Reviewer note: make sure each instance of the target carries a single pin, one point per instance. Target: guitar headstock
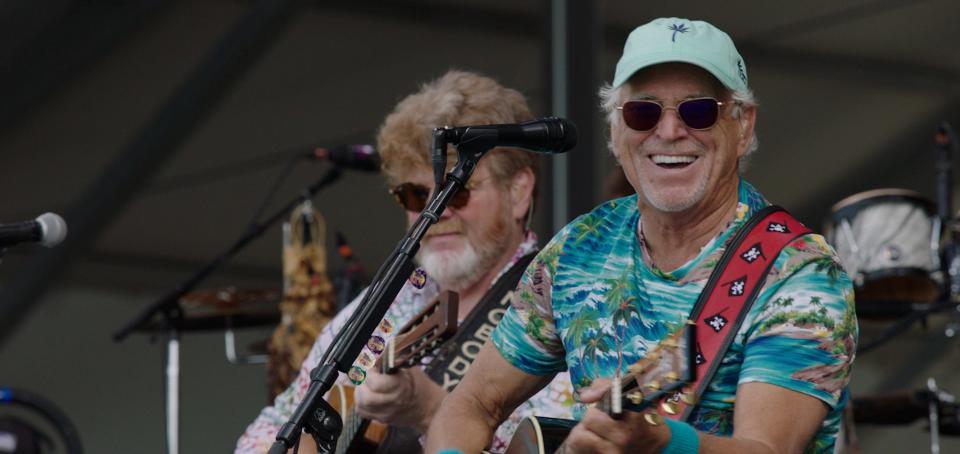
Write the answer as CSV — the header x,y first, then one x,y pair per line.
x,y
422,334
660,374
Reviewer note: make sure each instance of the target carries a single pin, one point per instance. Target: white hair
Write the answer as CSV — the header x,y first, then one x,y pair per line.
x,y
612,97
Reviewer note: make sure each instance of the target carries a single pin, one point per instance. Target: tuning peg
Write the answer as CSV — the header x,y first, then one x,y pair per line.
x,y
671,343
688,398
669,408
654,385
635,396
671,376
653,418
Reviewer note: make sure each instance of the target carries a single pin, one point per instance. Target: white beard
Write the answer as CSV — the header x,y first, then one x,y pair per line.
x,y
668,204
453,270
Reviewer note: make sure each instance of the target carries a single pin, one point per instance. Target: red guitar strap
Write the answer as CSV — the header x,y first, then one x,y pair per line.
x,y
732,288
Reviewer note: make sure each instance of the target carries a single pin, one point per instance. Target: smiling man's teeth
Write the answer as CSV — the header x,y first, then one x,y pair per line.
x,y
671,159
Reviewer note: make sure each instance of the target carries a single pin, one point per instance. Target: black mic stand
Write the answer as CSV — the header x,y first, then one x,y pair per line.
x,y
945,140
314,414
171,312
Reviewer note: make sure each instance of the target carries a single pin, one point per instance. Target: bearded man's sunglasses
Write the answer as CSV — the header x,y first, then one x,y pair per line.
x,y
413,197
697,113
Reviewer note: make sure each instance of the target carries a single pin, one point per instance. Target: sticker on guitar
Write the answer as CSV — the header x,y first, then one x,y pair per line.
x,y
657,378
416,340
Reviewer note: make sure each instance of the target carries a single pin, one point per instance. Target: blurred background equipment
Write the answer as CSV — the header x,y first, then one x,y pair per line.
x,y
308,297
351,276
904,266
938,407
889,243
32,424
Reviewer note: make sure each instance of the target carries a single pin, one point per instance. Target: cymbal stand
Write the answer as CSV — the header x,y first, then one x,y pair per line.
x,y
172,394
933,407
168,307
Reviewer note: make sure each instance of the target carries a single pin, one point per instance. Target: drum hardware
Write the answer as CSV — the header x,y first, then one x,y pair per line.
x,y
15,431
888,241
933,412
227,309
937,406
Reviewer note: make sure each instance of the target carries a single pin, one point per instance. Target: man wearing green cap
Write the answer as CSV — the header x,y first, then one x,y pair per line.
x,y
616,281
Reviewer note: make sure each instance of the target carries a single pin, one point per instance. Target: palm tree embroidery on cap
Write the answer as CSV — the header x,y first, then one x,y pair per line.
x,y
677,28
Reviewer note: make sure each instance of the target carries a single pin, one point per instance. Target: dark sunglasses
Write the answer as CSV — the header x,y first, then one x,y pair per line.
x,y
413,197
697,113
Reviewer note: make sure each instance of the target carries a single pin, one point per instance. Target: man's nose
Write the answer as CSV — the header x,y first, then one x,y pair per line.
x,y
671,127
448,212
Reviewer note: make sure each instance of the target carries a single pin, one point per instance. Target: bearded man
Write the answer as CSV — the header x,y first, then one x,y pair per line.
x,y
481,236
631,273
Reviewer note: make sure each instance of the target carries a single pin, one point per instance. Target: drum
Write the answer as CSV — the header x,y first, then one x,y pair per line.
x,y
888,241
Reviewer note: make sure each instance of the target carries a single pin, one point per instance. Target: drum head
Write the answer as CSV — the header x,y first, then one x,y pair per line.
x,y
888,242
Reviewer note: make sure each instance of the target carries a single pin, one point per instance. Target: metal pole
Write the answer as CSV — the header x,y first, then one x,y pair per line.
x,y
173,391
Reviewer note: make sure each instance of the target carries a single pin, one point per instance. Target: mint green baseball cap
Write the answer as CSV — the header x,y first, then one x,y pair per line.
x,y
672,39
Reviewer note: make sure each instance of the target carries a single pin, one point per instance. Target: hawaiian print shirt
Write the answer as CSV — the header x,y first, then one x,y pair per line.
x,y
555,400
590,301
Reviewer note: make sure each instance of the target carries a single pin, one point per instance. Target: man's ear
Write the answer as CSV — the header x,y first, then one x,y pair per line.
x,y
745,125
521,193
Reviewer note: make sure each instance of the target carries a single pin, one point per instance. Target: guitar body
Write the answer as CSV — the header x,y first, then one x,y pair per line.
x,y
358,436
539,435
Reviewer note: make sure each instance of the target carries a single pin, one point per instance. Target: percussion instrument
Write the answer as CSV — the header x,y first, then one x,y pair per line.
x,y
888,241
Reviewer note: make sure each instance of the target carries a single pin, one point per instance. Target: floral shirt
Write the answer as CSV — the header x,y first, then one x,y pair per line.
x,y
590,299
555,400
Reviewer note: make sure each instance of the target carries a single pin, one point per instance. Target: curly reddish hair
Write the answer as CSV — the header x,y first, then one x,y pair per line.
x,y
458,98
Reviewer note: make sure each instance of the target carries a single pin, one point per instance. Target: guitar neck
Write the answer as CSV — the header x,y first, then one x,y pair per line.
x,y
664,371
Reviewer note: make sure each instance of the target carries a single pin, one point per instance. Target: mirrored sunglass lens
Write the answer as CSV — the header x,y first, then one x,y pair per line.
x,y
641,115
699,113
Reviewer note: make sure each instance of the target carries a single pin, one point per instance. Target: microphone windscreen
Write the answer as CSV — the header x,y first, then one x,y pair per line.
x,y
569,134
53,229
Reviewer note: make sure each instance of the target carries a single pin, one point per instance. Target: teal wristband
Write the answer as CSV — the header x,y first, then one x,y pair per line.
x,y
683,439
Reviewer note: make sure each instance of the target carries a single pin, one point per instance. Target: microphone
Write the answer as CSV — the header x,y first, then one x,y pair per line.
x,y
49,229
356,157
544,135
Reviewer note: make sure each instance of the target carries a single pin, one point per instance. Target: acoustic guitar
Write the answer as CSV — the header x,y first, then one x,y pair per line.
x,y
416,340
657,377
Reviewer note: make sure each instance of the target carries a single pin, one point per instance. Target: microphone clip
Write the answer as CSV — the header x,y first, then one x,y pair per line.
x,y
438,152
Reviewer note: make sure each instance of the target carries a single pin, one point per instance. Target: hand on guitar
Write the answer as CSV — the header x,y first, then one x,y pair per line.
x,y
598,432
405,398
